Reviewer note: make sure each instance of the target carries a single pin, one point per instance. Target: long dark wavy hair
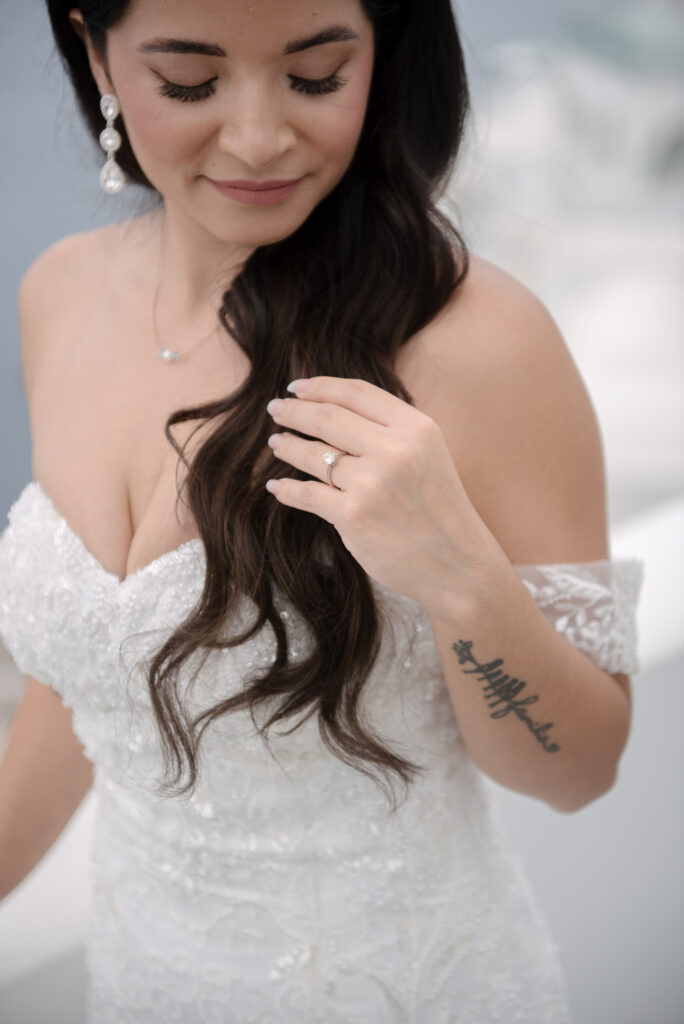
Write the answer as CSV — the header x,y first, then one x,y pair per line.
x,y
374,262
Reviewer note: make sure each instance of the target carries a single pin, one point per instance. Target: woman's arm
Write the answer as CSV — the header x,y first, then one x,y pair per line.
x,y
43,772
44,776
535,713
499,463
523,433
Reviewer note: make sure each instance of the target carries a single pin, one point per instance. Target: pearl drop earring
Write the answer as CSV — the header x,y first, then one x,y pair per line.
x,y
112,178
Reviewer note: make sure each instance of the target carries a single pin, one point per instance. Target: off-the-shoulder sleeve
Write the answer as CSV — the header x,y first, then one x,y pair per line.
x,y
594,605
19,630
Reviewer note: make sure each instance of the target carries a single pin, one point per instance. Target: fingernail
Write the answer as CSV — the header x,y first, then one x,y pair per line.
x,y
272,486
274,441
297,386
274,406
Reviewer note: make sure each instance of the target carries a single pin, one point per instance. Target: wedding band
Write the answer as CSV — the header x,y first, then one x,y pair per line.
x,y
331,459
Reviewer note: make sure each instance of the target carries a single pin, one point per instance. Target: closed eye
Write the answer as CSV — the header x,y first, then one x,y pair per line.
x,y
188,93
192,93
317,87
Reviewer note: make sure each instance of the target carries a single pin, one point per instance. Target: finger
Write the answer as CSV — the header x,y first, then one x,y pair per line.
x,y
335,426
307,456
359,396
307,495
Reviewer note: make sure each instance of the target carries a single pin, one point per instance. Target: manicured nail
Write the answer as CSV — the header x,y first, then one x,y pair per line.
x,y
272,486
274,441
274,406
297,386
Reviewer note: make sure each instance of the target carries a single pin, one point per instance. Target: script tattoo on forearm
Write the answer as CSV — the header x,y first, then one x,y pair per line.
x,y
502,692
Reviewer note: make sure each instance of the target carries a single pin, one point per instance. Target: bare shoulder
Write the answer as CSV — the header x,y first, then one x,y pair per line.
x,y
492,325
495,373
55,287
66,264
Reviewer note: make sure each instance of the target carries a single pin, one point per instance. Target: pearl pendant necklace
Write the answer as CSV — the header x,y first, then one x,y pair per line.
x,y
167,355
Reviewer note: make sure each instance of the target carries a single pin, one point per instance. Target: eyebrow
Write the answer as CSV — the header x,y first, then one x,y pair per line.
x,y
331,34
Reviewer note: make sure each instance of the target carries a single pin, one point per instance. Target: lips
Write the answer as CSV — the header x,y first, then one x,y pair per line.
x,y
256,186
256,193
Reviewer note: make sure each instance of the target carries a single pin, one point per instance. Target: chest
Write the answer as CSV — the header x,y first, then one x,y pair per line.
x,y
98,412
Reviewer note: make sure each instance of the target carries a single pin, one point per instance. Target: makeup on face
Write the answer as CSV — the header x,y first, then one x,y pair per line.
x,y
236,108
255,193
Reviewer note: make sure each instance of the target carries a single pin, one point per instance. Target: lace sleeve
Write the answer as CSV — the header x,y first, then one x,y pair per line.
x,y
594,605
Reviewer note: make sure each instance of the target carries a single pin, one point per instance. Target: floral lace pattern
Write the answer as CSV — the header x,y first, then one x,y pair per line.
x,y
593,605
282,891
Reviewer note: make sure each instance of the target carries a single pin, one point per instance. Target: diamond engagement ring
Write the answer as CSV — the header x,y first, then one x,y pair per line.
x,y
331,459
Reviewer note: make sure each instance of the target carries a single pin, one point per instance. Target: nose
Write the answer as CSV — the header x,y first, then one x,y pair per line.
x,y
255,128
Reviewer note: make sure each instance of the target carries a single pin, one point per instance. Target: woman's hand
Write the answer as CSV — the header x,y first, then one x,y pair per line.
x,y
401,508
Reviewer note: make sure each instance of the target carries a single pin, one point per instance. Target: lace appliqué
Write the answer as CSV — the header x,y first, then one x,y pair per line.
x,y
593,604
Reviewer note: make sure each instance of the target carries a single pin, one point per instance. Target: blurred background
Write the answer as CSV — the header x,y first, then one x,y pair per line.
x,y
572,179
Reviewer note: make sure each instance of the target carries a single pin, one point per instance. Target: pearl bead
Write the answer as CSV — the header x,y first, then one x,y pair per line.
x,y
110,140
112,178
168,355
109,106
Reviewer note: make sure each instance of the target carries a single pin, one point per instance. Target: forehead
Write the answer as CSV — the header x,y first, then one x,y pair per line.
x,y
238,23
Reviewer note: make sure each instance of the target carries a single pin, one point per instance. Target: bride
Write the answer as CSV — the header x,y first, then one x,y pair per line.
x,y
336,483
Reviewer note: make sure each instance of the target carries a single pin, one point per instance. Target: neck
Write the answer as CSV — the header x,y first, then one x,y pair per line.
x,y
195,269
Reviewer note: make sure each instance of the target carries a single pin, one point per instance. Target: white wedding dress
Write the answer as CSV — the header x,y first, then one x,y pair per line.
x,y
282,891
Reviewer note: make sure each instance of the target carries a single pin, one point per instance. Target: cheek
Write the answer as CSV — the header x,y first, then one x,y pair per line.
x,y
160,135
338,127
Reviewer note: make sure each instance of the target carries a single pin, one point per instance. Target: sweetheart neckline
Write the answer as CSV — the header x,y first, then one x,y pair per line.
x,y
197,542
187,544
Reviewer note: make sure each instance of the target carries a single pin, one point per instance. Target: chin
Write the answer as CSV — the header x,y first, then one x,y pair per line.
x,y
268,232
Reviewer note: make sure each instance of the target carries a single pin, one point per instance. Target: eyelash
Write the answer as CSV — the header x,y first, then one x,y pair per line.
x,y
320,87
193,93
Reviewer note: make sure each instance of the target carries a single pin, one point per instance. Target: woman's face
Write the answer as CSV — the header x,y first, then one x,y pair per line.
x,y
249,91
